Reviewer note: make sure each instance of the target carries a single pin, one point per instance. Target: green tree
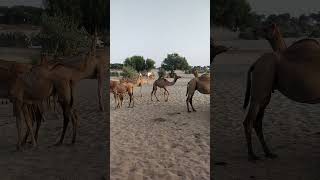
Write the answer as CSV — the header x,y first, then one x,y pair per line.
x,y
150,64
224,13
93,14
60,35
174,62
136,62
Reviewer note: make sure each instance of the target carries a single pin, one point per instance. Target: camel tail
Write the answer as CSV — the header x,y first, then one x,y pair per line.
x,y
247,96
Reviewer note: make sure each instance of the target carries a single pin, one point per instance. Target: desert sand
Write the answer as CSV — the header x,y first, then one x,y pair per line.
x,y
292,130
87,159
161,140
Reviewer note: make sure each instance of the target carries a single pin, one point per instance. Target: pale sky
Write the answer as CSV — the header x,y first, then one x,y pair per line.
x,y
155,28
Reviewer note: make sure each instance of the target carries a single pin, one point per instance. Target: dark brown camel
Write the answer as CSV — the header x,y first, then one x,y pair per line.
x,y
163,83
294,71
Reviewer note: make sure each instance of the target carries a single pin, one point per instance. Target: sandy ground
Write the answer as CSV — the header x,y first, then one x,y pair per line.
x,y
84,160
161,140
87,159
292,130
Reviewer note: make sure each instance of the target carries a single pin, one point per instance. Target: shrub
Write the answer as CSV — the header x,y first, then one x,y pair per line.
x,y
129,72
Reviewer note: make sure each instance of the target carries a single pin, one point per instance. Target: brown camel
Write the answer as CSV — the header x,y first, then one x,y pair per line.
x,y
138,82
96,68
163,83
35,110
202,84
40,84
293,71
120,90
113,84
273,35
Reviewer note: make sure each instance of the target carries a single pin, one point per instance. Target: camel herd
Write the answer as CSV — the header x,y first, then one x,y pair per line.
x,y
31,87
125,86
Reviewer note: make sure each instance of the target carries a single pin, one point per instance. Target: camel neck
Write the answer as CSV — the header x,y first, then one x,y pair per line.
x,y
278,44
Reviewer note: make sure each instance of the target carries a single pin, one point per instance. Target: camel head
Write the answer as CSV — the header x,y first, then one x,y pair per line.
x,y
269,31
177,77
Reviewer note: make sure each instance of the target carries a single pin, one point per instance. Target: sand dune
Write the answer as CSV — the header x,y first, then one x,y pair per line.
x,y
161,140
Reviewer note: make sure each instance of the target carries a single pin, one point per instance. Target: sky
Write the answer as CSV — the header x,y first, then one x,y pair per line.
x,y
153,29
294,7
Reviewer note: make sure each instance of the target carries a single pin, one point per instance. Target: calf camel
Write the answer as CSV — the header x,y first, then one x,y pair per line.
x,y
163,83
293,71
202,84
138,82
120,90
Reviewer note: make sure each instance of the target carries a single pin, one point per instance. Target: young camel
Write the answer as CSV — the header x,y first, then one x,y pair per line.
x,y
163,83
139,82
294,71
120,90
202,84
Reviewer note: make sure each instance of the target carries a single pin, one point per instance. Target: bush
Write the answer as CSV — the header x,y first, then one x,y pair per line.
x,y
116,74
14,39
61,35
161,73
129,72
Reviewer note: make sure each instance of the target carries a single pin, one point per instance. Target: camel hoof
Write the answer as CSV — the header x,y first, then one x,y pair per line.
x,y
194,110
271,156
189,111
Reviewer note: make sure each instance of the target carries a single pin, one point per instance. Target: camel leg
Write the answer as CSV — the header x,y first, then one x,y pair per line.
x,y
248,125
155,93
191,103
66,118
141,90
187,101
153,89
259,132
166,91
100,90
29,124
18,124
74,118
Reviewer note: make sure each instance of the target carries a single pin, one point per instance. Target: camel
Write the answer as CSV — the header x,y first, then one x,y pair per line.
x,y
35,112
41,83
96,69
273,35
119,92
139,82
293,71
113,84
202,84
163,83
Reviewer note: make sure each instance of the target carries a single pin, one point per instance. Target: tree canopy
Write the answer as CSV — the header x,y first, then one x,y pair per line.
x,y
174,62
139,63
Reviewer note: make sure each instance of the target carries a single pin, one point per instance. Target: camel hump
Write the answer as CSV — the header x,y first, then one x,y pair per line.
x,y
204,77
